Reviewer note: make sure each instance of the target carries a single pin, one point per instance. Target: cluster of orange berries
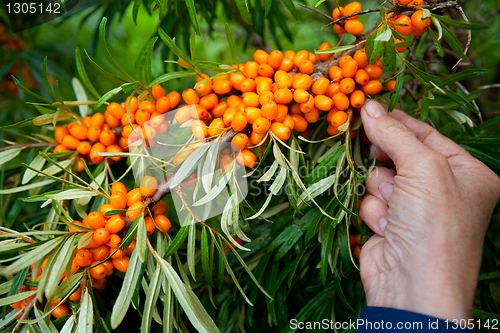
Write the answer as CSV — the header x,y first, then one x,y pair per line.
x,y
350,25
105,242
415,25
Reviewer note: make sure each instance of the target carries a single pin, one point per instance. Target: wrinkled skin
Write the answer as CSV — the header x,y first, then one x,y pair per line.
x,y
430,217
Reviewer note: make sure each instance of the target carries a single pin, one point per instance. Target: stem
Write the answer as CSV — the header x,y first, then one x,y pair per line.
x,y
26,312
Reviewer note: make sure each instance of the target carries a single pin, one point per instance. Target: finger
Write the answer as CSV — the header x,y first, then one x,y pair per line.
x,y
373,212
390,135
380,182
428,135
376,152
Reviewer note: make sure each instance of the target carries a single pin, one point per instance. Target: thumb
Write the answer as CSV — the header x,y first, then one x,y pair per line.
x,y
390,135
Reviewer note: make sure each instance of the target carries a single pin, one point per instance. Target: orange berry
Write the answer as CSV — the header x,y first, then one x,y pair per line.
x,y
239,142
96,220
118,187
228,116
261,125
250,99
101,252
174,98
219,109
199,129
347,85
300,96
335,73
289,122
216,127
83,257
260,56
333,88
274,59
133,196
104,209
149,224
357,99
352,8
159,209
93,133
300,56
111,120
183,114
313,58
339,118
265,70
118,200
116,223
391,85
190,96
283,96
163,104
372,87
134,211
361,58
304,81
289,54
109,267
354,27
252,114
235,80
416,32
148,186
60,133
116,110
323,102
107,137
286,64
246,158
130,248
325,46
319,87
204,88
240,121
76,296
341,101
197,111
97,148
116,253
406,26
300,123
350,68
305,107
84,147
130,104
337,13
99,285
306,67
282,79
256,138
332,130
114,240
142,117
158,91
399,41
61,310
114,149
281,131
339,30
374,72
312,116
98,272
79,131
418,21
345,58
251,69
361,77
248,85
121,264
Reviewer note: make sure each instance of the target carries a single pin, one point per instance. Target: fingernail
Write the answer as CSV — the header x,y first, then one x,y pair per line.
x,y
386,189
374,109
382,223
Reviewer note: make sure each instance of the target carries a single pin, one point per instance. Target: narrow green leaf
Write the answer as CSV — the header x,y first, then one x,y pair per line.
x,y
29,92
232,45
142,71
437,43
336,49
83,74
135,10
86,317
193,16
46,78
455,97
9,154
62,261
17,297
170,76
390,56
22,123
267,6
453,42
173,47
107,54
107,96
424,107
205,257
461,25
103,71
397,92
27,187
177,241
421,76
18,281
243,8
151,297
290,5
463,75
142,236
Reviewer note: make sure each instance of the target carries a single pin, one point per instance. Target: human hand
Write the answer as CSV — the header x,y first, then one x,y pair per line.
x,y
430,218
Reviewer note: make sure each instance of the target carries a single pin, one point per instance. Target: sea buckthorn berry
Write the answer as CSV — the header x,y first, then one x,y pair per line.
x,y
354,27
76,296
339,118
374,72
131,104
265,70
60,133
253,113
216,127
335,73
97,148
233,101
372,87
96,220
361,58
347,85
289,54
174,98
312,116
330,114
263,86
60,149
418,21
320,86
256,138
149,224
398,41
295,108
352,8
235,79
225,162
118,200
251,69
418,32
114,240
121,264
109,267
79,131
266,97
159,209
156,119
261,125
323,102
111,120
333,88
406,26
239,142
274,59
84,147
204,88
339,30
357,99
163,223
183,114
116,223
116,110
240,121
246,158
199,129
306,67
304,81
281,131
288,122
313,58
142,116
107,137
337,13
147,106
128,130
114,148
300,56
282,79
341,101
101,252
209,101
248,85
250,99
83,257
197,111
61,310
228,116
129,249
125,121
93,133
305,107
118,187
350,68
362,77
322,47
332,130
260,56
299,123
133,211
158,91
190,96
404,2
104,209
133,196
283,96
300,96
98,272
345,58
286,65
148,186
219,109
391,85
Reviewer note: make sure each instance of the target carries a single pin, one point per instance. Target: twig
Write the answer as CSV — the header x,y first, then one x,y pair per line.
x,y
26,313
28,145
489,86
469,37
24,238
317,11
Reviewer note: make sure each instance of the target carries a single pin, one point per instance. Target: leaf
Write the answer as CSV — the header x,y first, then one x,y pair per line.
x,y
390,56
17,297
29,92
243,8
455,97
177,241
81,96
193,16
86,317
18,281
151,297
384,36
127,291
27,187
173,47
397,92
140,248
83,74
336,49
321,170
9,154
57,270
73,194
191,305
453,42
191,250
45,119
205,257
463,75
103,71
189,165
424,107
107,96
143,62
267,6
135,10
45,77
289,4
439,48
461,25
232,45
107,54
170,76
22,123
421,76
